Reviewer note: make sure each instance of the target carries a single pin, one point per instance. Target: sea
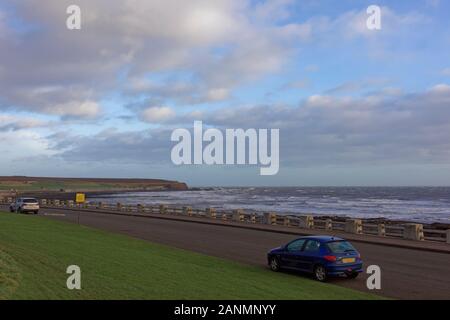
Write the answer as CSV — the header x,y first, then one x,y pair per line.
x,y
416,204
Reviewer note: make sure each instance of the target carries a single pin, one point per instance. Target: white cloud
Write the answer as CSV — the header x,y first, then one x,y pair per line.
x,y
16,122
218,94
213,40
274,9
157,114
441,88
221,45
21,145
79,109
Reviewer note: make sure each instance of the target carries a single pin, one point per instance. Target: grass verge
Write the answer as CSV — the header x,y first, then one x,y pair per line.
x,y
35,252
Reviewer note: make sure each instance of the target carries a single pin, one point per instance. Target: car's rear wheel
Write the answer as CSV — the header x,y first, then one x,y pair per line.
x,y
11,209
19,210
352,275
320,273
274,264
36,212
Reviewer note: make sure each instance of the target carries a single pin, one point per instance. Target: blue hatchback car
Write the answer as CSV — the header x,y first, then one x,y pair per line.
x,y
323,256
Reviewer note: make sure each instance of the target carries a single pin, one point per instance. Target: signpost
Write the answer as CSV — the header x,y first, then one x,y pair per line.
x,y
80,198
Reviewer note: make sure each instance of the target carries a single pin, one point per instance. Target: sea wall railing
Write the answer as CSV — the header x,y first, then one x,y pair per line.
x,y
410,231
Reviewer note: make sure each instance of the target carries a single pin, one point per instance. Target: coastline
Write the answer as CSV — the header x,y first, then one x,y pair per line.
x,y
70,195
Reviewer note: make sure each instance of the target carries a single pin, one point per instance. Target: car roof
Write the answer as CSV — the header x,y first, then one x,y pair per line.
x,y
323,238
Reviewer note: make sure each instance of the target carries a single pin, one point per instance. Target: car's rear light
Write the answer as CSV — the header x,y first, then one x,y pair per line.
x,y
330,258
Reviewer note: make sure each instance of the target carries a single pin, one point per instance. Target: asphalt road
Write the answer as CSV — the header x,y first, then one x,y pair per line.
x,y
405,273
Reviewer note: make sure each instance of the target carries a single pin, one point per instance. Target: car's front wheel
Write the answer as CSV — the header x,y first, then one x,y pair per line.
x,y
11,209
274,264
352,275
320,273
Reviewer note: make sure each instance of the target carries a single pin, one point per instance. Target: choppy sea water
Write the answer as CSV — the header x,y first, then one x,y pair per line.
x,y
421,204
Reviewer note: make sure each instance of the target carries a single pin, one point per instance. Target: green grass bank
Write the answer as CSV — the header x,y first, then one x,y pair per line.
x,y
35,252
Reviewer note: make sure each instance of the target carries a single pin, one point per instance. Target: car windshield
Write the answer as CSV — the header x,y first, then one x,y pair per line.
x,y
29,201
340,246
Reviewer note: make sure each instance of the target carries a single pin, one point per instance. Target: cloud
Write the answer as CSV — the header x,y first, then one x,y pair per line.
x,y
157,114
441,88
407,128
350,28
49,69
299,84
206,49
147,59
16,123
357,86
181,92
148,147
75,109
353,23
22,144
218,94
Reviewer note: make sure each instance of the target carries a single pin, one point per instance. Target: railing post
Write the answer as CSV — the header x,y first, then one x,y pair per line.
x,y
270,218
306,222
266,218
211,213
287,221
381,229
413,231
238,215
162,209
119,206
140,208
187,211
353,226
448,236
328,224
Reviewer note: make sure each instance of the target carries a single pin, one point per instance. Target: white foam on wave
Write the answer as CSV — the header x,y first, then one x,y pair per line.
x,y
388,203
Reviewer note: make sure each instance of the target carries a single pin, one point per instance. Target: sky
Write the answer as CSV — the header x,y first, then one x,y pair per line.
x,y
353,106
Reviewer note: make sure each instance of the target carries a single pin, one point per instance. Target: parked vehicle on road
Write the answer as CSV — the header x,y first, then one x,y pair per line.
x,y
323,256
25,205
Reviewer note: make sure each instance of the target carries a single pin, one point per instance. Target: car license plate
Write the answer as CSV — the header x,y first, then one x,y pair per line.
x,y
348,260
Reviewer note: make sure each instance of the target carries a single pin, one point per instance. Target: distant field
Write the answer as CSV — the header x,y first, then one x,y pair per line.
x,y
55,186
73,184
34,254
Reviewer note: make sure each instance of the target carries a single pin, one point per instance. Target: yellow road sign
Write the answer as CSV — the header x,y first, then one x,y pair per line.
x,y
80,198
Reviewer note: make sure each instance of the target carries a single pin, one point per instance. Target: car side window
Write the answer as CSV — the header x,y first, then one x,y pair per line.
x,y
296,245
312,246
